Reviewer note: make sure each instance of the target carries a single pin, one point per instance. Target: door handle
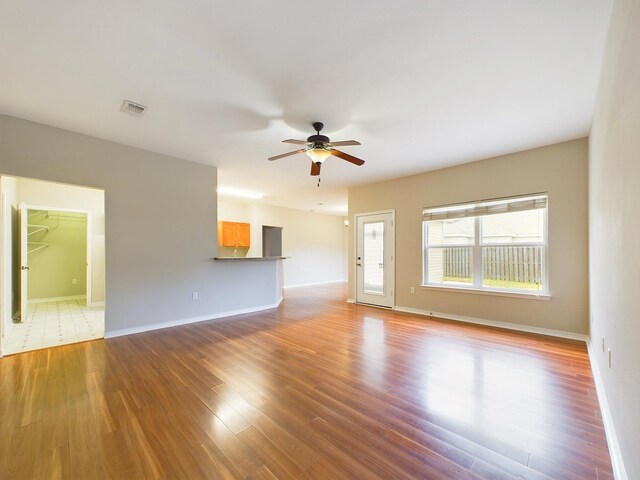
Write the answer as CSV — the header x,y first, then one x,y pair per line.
x,y
24,268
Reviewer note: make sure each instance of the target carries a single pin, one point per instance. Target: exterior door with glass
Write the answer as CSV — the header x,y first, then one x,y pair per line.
x,y
375,264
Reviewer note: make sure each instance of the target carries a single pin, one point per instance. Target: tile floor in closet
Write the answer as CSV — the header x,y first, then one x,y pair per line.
x,y
56,323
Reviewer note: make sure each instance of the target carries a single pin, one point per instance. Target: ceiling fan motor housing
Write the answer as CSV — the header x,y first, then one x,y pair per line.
x,y
318,140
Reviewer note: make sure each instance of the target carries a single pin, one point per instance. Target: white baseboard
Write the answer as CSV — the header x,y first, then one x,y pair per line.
x,y
493,323
56,299
314,283
185,321
350,300
97,304
617,463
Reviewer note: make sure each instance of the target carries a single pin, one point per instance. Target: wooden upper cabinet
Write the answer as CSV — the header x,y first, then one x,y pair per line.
x,y
244,234
227,234
234,234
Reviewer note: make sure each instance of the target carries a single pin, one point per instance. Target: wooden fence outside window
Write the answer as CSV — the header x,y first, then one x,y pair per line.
x,y
509,263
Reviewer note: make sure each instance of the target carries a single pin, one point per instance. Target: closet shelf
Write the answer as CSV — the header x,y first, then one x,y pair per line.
x,y
37,229
36,246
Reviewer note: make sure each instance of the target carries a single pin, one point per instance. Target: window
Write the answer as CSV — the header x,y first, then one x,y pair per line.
x,y
489,245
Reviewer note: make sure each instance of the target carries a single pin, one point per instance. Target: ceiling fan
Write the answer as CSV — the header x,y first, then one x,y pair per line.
x,y
319,148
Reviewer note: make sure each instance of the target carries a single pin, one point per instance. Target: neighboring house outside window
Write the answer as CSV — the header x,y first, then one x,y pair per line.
x,y
498,245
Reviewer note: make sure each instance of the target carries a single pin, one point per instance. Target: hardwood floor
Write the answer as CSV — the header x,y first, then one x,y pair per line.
x,y
316,389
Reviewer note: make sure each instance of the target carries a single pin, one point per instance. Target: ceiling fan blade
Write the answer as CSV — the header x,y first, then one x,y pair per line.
x,y
315,169
302,150
347,157
295,142
344,143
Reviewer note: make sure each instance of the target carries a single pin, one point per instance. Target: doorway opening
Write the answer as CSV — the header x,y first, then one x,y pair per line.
x,y
52,264
271,241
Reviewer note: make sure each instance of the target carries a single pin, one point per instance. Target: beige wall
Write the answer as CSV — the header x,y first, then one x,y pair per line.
x,y
313,241
160,226
560,170
70,197
614,228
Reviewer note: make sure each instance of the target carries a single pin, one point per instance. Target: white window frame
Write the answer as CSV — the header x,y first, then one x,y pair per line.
x,y
477,269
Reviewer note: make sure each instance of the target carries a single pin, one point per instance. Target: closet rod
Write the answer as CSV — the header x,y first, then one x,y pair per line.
x,y
36,212
57,214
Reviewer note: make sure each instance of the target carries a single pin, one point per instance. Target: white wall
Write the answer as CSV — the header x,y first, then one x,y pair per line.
x,y
160,226
614,234
57,195
560,170
313,241
8,254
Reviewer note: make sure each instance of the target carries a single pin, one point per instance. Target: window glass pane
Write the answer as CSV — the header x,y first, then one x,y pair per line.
x,y
451,265
459,231
511,244
515,227
512,267
373,261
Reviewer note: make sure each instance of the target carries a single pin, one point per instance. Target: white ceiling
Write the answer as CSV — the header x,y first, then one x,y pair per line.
x,y
421,84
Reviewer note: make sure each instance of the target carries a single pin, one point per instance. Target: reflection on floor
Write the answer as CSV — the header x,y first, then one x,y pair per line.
x,y
56,323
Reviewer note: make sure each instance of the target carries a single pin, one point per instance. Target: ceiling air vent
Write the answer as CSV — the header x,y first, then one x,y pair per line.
x,y
133,108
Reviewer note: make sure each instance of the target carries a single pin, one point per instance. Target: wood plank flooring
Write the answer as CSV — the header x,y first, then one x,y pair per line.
x,y
316,389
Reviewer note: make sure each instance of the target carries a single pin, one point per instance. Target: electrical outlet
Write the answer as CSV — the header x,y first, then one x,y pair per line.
x,y
194,296
412,290
609,350
74,281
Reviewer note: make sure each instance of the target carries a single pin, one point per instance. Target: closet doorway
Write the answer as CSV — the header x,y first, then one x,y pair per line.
x,y
57,243
52,264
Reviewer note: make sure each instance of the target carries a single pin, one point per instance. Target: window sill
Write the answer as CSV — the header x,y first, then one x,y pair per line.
x,y
496,293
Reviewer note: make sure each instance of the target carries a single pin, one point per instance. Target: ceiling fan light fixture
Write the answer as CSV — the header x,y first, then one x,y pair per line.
x,y
318,154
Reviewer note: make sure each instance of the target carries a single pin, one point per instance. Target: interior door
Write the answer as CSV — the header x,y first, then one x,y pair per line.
x,y
3,275
89,259
24,259
375,268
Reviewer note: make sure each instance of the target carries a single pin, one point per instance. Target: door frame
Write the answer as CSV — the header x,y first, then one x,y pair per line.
x,y
392,272
4,278
89,238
